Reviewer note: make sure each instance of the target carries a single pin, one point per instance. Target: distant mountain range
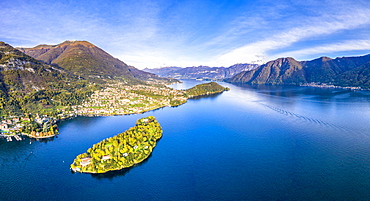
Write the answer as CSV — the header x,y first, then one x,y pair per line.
x,y
344,71
202,72
86,60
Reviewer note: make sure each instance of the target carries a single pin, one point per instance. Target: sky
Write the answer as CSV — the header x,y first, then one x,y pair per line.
x,y
152,34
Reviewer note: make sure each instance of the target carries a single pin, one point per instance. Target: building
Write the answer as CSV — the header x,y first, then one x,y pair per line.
x,y
106,157
85,161
4,126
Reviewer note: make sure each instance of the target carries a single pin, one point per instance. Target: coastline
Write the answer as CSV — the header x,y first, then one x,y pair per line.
x,y
42,137
115,169
89,110
323,85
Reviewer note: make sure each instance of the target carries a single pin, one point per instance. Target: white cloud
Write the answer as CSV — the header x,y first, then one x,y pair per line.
x,y
351,45
154,59
324,25
140,34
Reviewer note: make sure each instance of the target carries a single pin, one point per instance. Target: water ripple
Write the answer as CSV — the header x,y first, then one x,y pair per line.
x,y
313,120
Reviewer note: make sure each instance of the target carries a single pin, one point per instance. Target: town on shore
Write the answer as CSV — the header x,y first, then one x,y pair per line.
x,y
117,98
325,85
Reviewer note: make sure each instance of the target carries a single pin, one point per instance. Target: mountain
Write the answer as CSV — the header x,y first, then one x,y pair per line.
x,y
202,72
29,85
327,70
359,76
280,71
343,71
88,61
164,71
19,71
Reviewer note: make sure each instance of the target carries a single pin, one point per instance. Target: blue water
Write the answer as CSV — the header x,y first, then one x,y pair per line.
x,y
249,143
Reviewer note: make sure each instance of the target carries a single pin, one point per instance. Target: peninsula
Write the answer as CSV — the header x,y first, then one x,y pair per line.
x,y
121,151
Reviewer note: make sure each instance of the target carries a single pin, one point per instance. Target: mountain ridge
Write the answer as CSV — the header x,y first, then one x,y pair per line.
x,y
201,72
27,84
85,59
288,71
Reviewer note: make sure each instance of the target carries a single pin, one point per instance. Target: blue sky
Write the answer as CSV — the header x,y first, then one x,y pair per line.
x,y
146,33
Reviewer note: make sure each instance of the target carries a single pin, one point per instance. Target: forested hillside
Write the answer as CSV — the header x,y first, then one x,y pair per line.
x,y
344,71
31,86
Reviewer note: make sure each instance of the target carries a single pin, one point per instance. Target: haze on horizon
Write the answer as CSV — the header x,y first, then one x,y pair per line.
x,y
146,33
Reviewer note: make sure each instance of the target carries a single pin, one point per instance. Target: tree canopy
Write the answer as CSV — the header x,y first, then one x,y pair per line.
x,y
120,151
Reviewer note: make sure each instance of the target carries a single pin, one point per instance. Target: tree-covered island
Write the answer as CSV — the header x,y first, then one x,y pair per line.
x,y
205,89
120,151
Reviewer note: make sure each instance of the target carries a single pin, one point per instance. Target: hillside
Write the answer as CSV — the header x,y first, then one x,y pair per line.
x,y
22,72
88,61
280,71
28,85
326,70
41,94
359,76
202,72
344,71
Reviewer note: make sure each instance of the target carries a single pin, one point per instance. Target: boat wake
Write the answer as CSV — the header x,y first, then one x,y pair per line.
x,y
313,120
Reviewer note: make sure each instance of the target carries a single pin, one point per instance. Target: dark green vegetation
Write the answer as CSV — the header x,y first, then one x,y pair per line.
x,y
121,151
77,78
344,71
359,76
205,89
53,85
62,76
31,86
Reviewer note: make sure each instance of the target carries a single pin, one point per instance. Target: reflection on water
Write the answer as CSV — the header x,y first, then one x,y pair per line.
x,y
81,121
319,94
43,140
17,153
211,96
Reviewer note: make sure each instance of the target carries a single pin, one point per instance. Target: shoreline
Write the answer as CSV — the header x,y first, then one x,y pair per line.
x,y
43,137
86,111
139,143
330,86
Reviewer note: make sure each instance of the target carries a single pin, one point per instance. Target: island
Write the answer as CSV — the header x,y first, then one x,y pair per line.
x,y
120,151
205,89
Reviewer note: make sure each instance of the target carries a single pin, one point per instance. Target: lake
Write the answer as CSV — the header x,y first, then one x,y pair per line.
x,y
249,143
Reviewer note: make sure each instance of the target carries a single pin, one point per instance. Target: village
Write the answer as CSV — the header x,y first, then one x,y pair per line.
x,y
324,85
37,127
116,99
119,99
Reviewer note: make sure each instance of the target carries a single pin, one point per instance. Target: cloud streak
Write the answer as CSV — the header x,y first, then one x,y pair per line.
x,y
351,45
325,25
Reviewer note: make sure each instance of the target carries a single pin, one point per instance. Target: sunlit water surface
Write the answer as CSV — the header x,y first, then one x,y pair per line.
x,y
249,143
